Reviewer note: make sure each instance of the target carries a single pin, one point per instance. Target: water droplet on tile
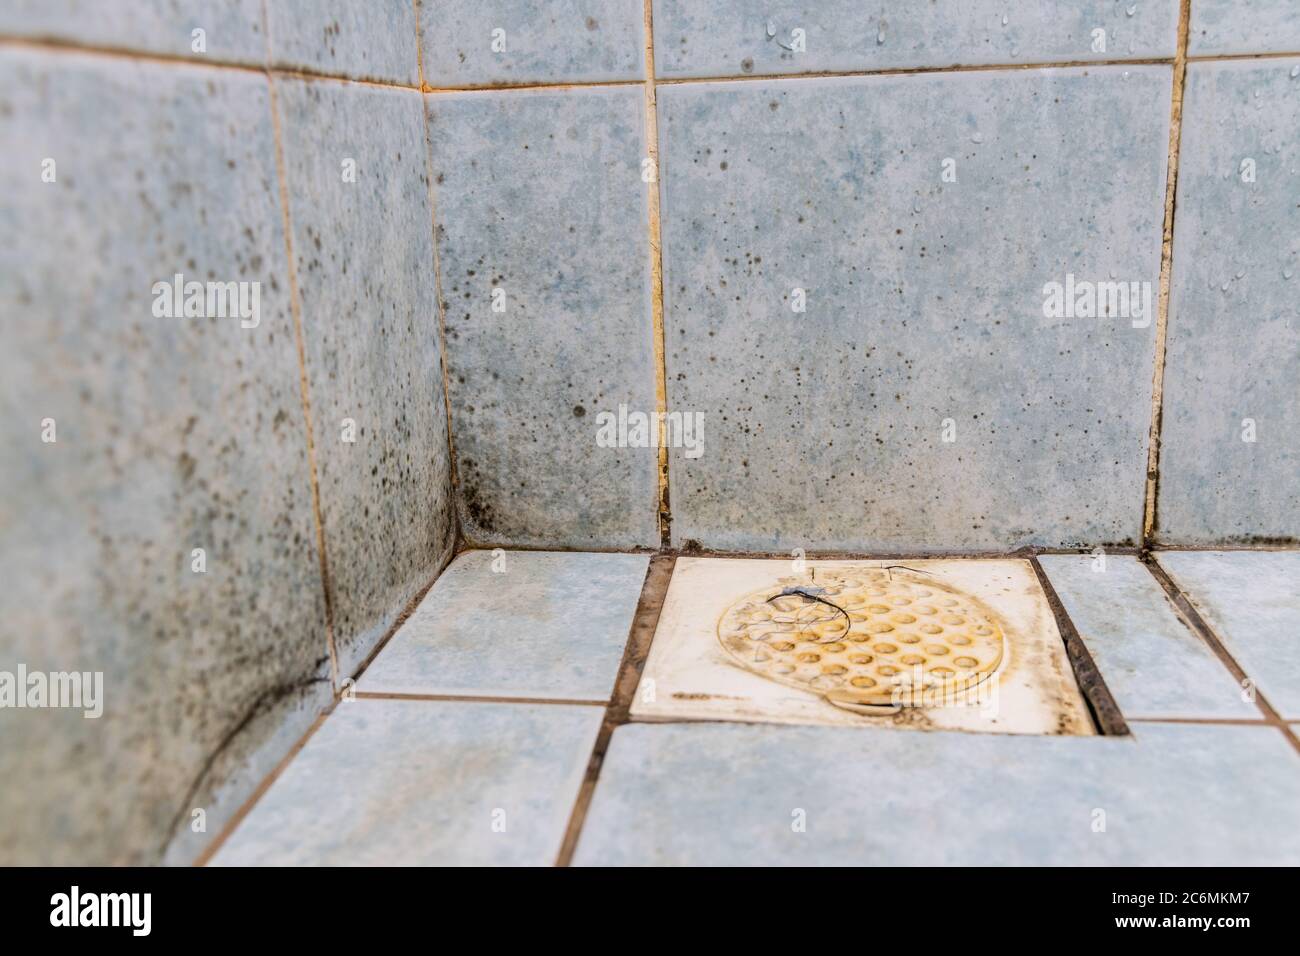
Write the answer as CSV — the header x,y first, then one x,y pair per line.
x,y
1132,10
1005,19
880,35
1295,71
771,29
977,137
1287,273
1240,273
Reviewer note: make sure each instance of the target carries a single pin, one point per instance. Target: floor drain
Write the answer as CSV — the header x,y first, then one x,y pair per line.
x,y
870,641
942,644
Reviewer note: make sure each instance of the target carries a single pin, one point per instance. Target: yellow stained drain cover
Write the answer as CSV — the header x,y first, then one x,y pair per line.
x,y
953,644
868,640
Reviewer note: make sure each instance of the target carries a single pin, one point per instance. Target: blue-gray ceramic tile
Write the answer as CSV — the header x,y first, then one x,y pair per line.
x,y
1252,601
1230,26
517,624
733,37
1229,447
736,794
172,434
232,29
406,783
356,165
1152,663
496,42
539,195
375,40
925,308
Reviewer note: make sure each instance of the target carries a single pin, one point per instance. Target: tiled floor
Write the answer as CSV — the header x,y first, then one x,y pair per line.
x,y
732,794
424,782
1154,665
520,624
1252,600
1207,776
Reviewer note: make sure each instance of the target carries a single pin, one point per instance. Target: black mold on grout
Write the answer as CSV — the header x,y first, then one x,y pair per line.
x,y
1102,707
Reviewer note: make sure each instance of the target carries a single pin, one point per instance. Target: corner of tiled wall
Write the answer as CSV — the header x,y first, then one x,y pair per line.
x,y
166,505
503,181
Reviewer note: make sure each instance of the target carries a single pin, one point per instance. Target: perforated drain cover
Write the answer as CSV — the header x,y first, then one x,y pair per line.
x,y
865,639
916,643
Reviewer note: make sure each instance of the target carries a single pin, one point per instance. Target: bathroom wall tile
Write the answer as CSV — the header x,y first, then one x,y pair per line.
x,y
925,314
172,434
732,794
540,196
375,40
364,252
733,37
424,783
1230,450
560,41
1230,26
556,622
1252,601
1152,663
233,29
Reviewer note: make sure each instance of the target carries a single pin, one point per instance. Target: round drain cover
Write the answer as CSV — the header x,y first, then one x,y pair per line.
x,y
869,639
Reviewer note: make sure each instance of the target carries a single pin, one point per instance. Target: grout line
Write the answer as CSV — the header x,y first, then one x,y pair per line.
x,y
479,699
544,86
295,308
246,807
1208,721
64,45
1201,628
1229,57
917,70
1152,487
662,508
57,46
642,632
439,306
1019,554
1101,703
419,48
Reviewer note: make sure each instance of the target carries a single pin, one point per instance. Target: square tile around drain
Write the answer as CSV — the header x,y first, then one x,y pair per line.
x,y
945,644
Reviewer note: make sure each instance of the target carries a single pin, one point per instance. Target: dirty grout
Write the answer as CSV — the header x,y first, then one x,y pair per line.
x,y
1152,487
657,279
644,623
58,45
479,699
1192,618
295,308
1101,704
